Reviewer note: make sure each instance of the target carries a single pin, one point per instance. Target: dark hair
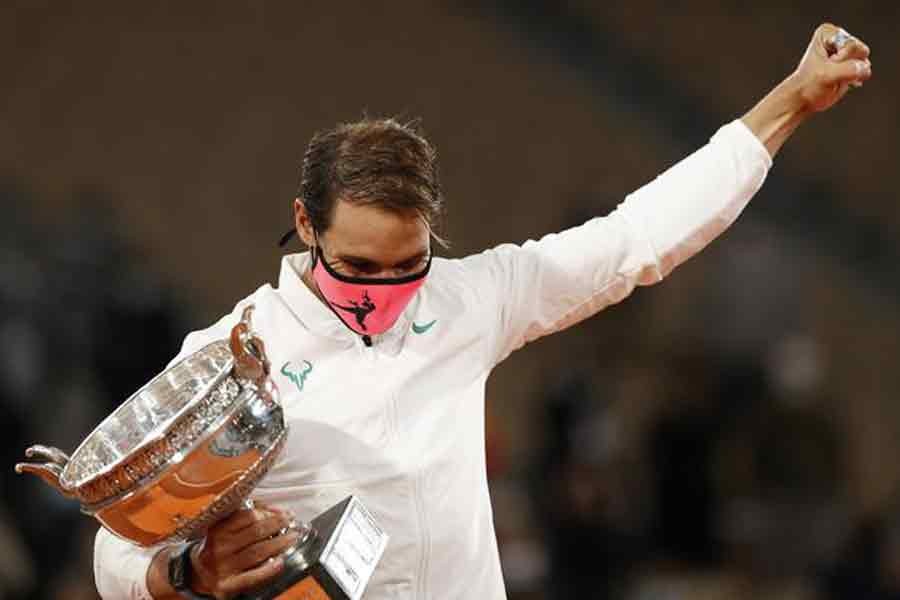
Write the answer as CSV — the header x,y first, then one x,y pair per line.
x,y
372,161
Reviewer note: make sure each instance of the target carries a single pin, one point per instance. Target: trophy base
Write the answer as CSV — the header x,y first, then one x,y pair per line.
x,y
335,562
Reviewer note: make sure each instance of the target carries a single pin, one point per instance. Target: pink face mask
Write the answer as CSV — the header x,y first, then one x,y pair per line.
x,y
367,305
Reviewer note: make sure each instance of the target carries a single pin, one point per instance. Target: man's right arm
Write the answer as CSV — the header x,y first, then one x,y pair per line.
x,y
120,568
239,553
125,571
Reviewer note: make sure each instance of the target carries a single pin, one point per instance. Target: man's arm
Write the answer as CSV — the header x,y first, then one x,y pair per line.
x,y
238,554
120,568
525,292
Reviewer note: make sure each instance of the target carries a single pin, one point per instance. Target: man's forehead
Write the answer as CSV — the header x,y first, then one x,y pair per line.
x,y
374,232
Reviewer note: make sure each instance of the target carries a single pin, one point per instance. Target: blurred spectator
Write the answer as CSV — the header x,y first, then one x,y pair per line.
x,y
869,565
586,494
683,452
84,323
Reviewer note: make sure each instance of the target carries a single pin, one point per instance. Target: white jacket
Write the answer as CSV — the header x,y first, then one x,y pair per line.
x,y
401,423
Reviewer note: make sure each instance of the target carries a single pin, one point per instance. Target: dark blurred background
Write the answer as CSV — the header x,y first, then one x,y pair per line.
x,y
730,433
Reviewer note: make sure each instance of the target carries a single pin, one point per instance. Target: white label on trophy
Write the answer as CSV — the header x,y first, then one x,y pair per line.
x,y
355,549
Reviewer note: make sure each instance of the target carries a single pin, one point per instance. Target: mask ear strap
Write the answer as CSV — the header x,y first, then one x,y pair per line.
x,y
314,249
282,242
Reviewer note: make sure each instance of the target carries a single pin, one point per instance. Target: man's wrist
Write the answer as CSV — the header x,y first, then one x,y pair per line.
x,y
778,115
158,576
171,577
200,574
791,96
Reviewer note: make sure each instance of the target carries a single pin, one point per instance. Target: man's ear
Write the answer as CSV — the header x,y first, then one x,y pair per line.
x,y
303,224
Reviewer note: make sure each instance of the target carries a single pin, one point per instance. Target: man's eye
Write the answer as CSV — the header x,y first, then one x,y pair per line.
x,y
410,264
363,267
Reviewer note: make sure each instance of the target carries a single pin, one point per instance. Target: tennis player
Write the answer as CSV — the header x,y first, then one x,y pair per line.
x,y
381,351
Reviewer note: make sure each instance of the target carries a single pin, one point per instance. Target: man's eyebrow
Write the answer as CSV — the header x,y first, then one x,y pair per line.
x,y
352,258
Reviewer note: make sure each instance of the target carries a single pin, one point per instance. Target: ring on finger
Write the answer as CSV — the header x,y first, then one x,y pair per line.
x,y
840,38
291,526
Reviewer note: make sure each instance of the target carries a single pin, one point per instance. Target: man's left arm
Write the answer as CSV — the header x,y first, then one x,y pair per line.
x,y
544,286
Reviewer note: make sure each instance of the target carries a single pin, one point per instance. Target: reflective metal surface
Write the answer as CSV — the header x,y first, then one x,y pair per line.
x,y
148,414
183,451
205,485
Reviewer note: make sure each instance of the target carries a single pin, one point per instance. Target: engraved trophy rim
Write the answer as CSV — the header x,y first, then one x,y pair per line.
x,y
243,396
159,432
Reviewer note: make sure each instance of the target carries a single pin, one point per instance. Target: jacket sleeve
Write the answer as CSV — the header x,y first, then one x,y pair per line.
x,y
545,286
120,568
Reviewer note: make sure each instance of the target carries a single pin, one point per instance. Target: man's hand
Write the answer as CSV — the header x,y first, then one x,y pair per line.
x,y
242,551
239,553
826,72
822,78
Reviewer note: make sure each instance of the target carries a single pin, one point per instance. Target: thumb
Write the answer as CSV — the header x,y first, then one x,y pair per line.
x,y
849,71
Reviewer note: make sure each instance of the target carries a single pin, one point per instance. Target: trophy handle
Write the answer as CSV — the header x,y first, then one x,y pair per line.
x,y
249,351
49,465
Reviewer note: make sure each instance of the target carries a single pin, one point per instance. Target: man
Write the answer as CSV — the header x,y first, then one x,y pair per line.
x,y
381,352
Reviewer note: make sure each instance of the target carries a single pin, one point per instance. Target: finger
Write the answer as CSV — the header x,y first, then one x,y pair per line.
x,y
276,509
272,509
834,41
825,34
253,555
851,71
853,49
247,580
253,533
240,519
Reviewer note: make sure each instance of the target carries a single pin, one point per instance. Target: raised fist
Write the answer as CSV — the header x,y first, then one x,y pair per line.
x,y
834,62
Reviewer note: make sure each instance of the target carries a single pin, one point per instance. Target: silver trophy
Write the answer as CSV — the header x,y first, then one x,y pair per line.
x,y
188,448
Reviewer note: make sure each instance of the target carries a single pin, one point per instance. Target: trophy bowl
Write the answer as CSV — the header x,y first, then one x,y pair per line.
x,y
182,452
187,449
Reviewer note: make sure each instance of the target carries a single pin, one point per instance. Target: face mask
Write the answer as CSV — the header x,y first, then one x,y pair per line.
x,y
367,305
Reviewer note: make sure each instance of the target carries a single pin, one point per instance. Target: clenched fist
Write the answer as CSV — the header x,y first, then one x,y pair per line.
x,y
833,63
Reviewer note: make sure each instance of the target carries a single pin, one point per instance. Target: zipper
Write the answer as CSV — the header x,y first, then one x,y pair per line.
x,y
425,536
393,421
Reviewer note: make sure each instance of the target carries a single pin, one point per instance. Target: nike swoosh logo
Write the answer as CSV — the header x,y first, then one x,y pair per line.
x,y
420,329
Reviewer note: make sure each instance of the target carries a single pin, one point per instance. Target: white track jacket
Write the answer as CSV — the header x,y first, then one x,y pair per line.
x,y
401,424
